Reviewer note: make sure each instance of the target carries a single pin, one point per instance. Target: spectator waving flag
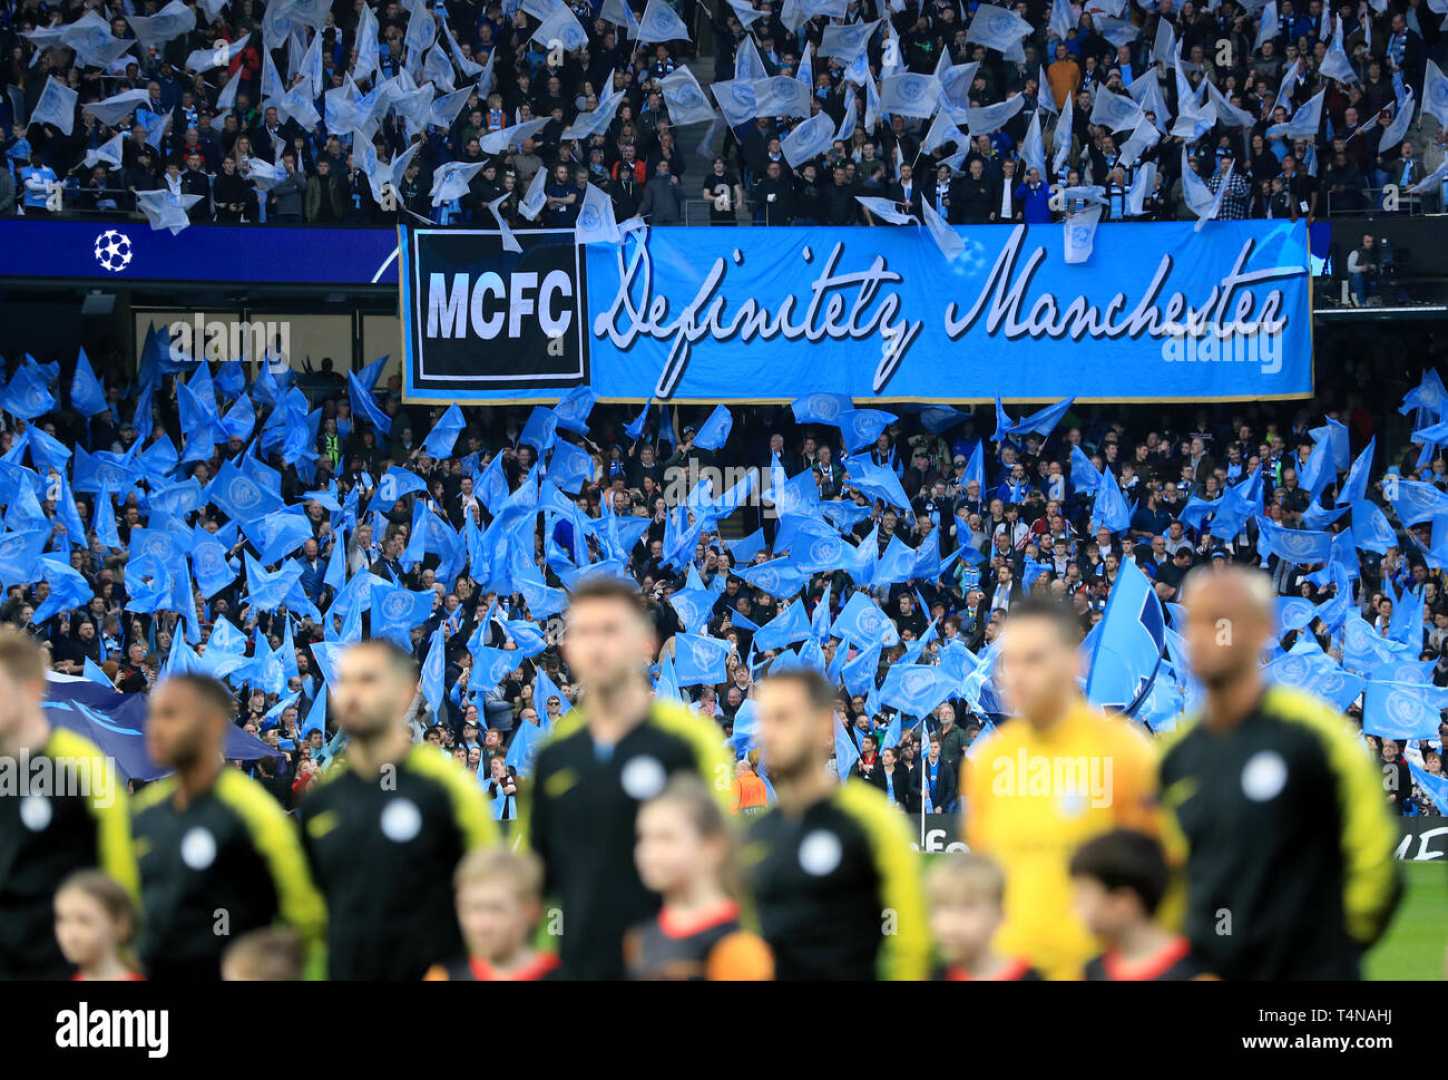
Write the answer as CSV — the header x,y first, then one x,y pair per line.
x,y
809,140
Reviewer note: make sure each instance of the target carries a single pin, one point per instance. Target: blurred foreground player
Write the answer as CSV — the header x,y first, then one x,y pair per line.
x,y
80,822
1120,880
1286,834
617,749
835,882
386,827
1055,775
218,855
965,892
499,905
685,853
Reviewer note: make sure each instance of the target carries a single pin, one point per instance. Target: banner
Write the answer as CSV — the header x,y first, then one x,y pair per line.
x,y
1158,312
116,723
123,253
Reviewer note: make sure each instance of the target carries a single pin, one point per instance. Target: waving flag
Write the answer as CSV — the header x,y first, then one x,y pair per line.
x,y
661,23
789,626
909,94
699,659
714,431
1403,710
1128,644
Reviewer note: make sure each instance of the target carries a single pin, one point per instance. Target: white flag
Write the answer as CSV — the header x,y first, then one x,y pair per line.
x,y
1306,120
505,234
1062,136
1336,65
1437,177
992,118
997,28
851,117
367,45
685,98
779,96
297,104
221,57
563,28
1435,94
620,14
746,14
909,94
511,138
942,130
421,31
171,21
885,210
56,106
266,175
1267,28
166,211
536,197
451,180
660,22
1142,139
945,237
114,109
1079,233
1141,187
596,223
1227,113
227,98
955,83
844,43
438,69
748,64
1115,111
1163,47
1033,148
1397,131
1117,31
1063,20
109,152
808,140
1045,96
469,68
1195,193
736,100
443,111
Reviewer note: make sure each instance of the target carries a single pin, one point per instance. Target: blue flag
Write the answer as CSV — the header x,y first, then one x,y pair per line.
x,y
1128,644
395,611
1041,422
444,435
87,395
1403,710
714,431
365,405
699,659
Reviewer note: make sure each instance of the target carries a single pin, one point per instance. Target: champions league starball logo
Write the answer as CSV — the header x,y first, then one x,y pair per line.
x,y
113,251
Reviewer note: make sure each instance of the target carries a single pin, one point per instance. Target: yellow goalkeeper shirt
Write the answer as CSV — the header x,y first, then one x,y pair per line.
x,y
1032,798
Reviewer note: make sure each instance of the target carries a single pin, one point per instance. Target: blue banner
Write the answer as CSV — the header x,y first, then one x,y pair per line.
x,y
1160,312
125,253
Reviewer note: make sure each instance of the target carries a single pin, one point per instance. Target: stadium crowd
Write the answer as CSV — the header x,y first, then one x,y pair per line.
x,y
288,521
1287,110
